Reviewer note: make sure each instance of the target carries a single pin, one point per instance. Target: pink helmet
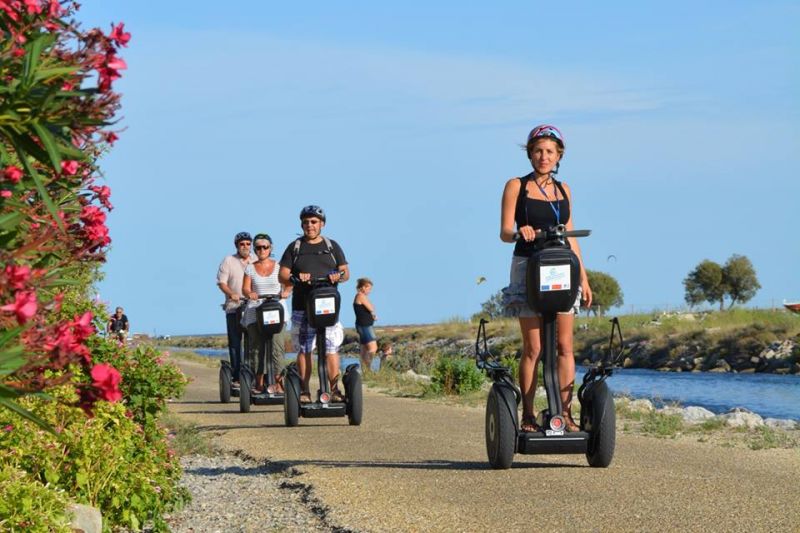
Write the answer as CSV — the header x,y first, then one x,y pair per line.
x,y
546,130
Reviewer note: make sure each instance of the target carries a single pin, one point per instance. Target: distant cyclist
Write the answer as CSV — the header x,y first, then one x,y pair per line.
x,y
229,280
118,325
309,257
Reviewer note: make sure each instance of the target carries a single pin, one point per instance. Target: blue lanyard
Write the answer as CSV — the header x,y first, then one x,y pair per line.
x,y
557,207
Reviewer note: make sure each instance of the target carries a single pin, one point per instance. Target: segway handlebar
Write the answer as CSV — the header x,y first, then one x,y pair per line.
x,y
268,297
557,232
323,279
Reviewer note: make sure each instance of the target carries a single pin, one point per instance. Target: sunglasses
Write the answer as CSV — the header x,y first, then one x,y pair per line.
x,y
258,248
244,243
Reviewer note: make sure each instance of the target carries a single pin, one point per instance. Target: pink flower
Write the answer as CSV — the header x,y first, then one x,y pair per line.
x,y
12,173
17,275
119,35
18,52
111,137
115,63
69,167
106,379
9,427
103,193
54,8
24,306
83,326
5,194
33,7
58,299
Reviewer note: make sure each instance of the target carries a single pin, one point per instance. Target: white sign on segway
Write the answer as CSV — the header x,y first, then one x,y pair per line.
x,y
325,306
554,278
272,317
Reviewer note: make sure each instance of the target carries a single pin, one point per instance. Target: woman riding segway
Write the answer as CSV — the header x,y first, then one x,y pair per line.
x,y
265,354
530,204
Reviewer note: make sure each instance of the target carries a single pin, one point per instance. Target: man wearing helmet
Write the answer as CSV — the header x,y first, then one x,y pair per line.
x,y
533,203
229,280
309,257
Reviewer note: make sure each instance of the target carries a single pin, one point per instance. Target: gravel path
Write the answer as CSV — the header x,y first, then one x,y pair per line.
x,y
233,494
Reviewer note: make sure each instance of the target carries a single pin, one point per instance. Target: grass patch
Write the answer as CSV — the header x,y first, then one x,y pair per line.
x,y
765,437
185,437
211,362
661,424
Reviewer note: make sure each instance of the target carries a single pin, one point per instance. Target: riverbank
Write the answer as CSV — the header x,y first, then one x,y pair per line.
x,y
736,341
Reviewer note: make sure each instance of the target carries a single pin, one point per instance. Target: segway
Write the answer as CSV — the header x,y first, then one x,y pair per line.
x,y
553,278
269,316
322,309
226,388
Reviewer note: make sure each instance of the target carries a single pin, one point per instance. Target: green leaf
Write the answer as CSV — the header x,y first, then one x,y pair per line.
x,y
49,143
10,334
48,202
47,73
11,405
34,49
11,220
11,360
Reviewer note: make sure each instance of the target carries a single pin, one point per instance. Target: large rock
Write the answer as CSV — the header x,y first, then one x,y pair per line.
x,y
86,519
740,417
778,350
641,405
781,423
410,374
696,415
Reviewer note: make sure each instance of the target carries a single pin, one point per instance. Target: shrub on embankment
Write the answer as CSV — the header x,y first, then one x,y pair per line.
x,y
67,431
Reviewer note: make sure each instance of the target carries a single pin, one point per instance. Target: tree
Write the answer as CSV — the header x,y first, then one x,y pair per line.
x,y
710,282
740,279
606,292
492,308
705,284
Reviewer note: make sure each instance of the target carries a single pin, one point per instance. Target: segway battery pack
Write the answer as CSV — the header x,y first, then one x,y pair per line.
x,y
270,316
322,307
553,279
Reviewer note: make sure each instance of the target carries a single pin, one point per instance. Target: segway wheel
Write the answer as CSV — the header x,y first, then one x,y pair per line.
x,y
291,399
246,382
602,434
501,431
225,380
354,398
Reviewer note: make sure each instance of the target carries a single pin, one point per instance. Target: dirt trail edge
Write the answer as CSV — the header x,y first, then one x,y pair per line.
x,y
420,466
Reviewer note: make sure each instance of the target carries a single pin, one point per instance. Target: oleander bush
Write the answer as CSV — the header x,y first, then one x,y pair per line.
x,y
78,414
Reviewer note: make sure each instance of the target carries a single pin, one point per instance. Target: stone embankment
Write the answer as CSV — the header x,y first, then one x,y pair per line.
x,y
777,357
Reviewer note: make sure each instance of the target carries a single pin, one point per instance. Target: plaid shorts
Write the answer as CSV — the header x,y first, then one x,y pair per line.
x,y
304,337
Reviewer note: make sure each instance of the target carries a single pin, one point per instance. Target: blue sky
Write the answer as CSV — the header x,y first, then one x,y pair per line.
x,y
404,122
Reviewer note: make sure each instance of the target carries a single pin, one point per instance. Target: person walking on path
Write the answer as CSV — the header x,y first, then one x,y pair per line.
x,y
230,277
118,325
261,278
365,318
530,204
307,258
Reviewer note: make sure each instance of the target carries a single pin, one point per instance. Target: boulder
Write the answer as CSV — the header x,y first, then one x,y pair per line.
x,y
410,374
85,518
781,423
696,415
741,417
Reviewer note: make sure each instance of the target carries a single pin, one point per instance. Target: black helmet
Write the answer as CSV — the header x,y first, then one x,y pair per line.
x,y
242,236
312,211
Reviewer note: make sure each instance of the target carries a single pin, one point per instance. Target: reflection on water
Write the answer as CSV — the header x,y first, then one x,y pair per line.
x,y
769,395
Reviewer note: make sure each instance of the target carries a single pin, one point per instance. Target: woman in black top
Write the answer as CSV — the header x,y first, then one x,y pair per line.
x,y
530,204
365,317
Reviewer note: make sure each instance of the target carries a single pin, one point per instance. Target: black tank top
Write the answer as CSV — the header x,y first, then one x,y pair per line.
x,y
363,316
537,213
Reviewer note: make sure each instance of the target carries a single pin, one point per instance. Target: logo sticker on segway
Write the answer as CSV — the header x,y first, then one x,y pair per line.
x,y
272,317
325,306
554,278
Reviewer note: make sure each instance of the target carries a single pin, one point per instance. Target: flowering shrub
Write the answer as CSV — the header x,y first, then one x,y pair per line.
x,y
147,379
27,505
53,128
105,461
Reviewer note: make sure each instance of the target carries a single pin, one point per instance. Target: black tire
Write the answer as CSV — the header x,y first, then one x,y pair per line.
x,y
602,426
501,427
354,398
291,399
225,384
245,384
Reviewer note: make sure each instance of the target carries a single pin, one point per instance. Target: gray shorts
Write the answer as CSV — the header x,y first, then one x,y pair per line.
x,y
515,296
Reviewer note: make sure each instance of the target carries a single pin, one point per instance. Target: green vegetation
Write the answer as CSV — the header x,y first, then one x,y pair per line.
x,y
710,282
606,292
456,376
